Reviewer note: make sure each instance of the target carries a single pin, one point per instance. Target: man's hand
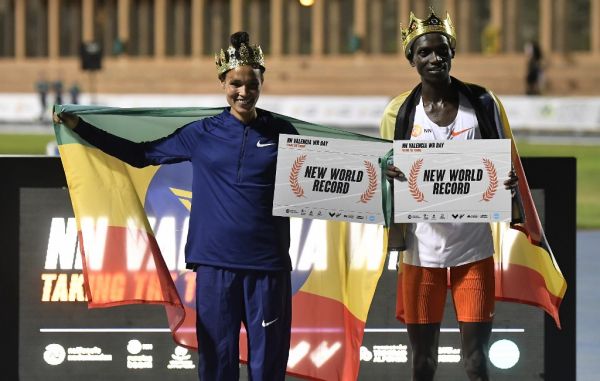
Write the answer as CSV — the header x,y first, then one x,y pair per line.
x,y
392,173
66,118
512,182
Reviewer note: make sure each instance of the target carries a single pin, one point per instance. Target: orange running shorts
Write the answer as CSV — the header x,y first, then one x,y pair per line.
x,y
472,285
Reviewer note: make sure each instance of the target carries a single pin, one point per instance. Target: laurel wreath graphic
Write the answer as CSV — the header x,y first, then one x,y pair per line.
x,y
413,188
370,192
493,187
296,167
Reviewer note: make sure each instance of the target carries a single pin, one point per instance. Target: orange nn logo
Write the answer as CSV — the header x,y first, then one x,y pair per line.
x,y
416,131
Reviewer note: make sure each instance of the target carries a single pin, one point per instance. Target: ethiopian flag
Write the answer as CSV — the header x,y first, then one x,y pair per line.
x,y
132,227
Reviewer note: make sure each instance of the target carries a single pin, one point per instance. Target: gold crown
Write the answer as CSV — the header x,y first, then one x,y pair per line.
x,y
418,27
246,55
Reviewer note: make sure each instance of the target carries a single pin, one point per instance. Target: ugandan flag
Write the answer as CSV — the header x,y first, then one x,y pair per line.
x,y
132,227
526,271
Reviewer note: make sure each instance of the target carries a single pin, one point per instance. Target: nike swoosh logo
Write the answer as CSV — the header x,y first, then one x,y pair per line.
x,y
260,145
456,133
268,323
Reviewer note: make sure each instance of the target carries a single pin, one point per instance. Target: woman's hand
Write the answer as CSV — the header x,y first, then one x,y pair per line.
x,y
66,118
392,173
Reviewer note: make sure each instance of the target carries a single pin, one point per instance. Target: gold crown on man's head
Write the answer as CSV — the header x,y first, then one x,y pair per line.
x,y
418,27
247,54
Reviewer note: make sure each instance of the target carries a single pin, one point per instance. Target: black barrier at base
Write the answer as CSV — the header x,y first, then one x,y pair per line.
x,y
558,178
559,361
18,172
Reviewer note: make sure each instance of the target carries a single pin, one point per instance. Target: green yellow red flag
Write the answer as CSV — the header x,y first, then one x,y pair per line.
x,y
132,225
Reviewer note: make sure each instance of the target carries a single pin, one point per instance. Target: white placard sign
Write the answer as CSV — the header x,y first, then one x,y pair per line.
x,y
452,181
330,179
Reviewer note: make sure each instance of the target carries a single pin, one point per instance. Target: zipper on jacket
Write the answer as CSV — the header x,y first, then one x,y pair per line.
x,y
242,151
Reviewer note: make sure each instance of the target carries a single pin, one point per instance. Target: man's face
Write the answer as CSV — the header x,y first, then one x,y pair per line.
x,y
242,87
432,57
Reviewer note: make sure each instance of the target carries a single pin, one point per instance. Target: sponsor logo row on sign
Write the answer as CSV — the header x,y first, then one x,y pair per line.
x,y
446,217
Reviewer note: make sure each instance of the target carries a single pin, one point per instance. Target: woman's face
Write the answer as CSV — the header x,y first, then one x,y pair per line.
x,y
242,87
432,57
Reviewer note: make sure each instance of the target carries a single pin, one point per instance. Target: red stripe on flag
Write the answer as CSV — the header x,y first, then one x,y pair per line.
x,y
112,283
522,284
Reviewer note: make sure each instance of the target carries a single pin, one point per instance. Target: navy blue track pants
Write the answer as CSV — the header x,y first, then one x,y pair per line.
x,y
225,299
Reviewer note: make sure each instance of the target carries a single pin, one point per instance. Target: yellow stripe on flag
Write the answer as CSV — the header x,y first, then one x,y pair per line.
x,y
355,259
102,186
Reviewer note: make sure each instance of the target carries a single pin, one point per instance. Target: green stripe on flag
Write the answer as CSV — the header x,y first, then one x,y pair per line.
x,y
135,124
145,124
